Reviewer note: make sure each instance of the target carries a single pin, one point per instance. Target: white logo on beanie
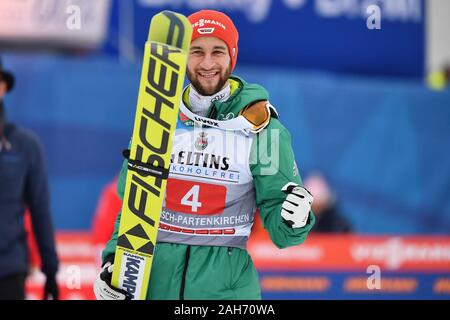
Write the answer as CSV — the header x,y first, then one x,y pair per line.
x,y
202,22
205,30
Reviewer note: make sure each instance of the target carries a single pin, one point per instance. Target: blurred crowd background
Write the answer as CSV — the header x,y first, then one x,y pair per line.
x,y
361,85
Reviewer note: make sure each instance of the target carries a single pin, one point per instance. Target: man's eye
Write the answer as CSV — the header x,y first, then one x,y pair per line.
x,y
218,52
196,52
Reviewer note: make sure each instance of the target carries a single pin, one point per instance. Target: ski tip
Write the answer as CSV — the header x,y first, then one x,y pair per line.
x,y
171,28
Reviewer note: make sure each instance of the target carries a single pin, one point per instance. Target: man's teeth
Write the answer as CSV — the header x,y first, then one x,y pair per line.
x,y
210,74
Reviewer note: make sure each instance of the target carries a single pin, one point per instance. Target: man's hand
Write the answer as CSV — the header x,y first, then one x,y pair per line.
x,y
295,209
104,290
51,291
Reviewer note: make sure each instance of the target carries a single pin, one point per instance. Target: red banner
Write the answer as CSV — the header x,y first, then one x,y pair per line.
x,y
80,260
354,253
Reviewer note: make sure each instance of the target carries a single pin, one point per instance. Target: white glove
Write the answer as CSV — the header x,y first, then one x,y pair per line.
x,y
295,209
102,286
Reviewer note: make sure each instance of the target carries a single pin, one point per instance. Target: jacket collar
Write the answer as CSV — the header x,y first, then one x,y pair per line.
x,y
217,108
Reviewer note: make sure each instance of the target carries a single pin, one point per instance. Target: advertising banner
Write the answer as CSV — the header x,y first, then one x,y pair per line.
x,y
324,267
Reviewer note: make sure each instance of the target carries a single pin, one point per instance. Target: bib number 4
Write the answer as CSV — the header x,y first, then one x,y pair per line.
x,y
191,198
194,197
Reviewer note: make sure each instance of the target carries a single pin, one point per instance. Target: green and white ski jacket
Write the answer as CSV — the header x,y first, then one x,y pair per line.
x,y
218,178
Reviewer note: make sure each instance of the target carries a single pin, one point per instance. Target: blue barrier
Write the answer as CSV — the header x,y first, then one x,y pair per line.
x,y
316,34
382,142
348,285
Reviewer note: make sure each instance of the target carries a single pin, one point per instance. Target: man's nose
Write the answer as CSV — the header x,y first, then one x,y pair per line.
x,y
207,62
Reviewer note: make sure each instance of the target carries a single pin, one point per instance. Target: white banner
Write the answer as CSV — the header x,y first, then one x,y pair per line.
x,y
72,23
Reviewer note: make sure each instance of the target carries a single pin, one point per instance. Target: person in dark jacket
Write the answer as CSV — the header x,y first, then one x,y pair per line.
x,y
23,184
329,219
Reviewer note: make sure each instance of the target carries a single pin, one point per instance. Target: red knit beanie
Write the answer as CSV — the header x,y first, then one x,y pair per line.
x,y
216,24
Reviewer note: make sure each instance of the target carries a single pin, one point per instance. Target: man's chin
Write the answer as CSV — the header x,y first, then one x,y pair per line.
x,y
209,91
206,90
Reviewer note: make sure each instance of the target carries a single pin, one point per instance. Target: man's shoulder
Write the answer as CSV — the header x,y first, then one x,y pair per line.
x,y
276,125
251,90
251,100
22,134
254,100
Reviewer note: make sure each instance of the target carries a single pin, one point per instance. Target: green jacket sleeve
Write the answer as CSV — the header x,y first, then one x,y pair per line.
x,y
272,164
110,248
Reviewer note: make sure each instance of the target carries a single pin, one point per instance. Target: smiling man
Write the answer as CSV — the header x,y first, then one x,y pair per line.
x,y
209,65
230,157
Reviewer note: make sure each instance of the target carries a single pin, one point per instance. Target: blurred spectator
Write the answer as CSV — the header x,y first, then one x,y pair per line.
x,y
23,183
328,216
34,260
108,206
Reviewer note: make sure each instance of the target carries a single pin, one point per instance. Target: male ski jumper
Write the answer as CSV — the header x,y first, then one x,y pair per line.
x,y
220,174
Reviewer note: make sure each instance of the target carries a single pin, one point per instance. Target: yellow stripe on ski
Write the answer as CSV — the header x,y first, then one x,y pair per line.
x,y
160,90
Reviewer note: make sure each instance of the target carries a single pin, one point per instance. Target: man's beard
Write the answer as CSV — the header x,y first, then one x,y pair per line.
x,y
199,88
